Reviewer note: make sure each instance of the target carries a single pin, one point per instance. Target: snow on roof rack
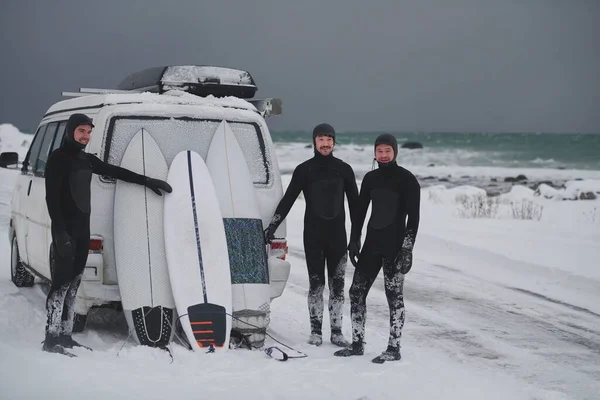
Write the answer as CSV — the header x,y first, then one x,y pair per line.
x,y
90,91
268,107
201,80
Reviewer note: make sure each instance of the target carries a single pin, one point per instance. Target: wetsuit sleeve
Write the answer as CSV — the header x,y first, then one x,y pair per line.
x,y
288,199
413,205
99,167
55,180
362,204
351,192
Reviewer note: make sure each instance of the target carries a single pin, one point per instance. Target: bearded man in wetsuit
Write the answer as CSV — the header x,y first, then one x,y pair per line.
x,y
395,195
68,175
323,179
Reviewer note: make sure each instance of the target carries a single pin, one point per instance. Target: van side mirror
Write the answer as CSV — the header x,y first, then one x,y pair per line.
x,y
9,158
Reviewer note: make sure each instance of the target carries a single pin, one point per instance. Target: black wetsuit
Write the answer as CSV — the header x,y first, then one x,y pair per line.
x,y
323,180
68,175
395,195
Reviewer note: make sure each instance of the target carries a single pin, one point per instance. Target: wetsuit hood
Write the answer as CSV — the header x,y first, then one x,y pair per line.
x,y
388,139
322,130
74,121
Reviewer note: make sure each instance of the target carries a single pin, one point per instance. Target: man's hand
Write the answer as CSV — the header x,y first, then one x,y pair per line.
x,y
353,252
270,233
156,184
64,246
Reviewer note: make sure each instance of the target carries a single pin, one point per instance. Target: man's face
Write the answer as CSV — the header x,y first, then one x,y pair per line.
x,y
82,134
384,153
324,144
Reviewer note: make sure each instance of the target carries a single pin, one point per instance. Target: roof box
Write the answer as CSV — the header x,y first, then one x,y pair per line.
x,y
201,80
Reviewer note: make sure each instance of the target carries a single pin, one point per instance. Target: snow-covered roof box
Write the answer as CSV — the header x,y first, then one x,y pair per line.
x,y
200,80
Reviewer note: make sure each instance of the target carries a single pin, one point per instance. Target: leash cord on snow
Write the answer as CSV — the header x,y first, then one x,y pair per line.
x,y
269,350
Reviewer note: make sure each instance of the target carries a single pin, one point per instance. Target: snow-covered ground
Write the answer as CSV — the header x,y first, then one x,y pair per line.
x,y
497,308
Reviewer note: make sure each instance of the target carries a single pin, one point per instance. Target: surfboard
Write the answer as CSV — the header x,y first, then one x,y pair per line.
x,y
197,256
139,246
243,228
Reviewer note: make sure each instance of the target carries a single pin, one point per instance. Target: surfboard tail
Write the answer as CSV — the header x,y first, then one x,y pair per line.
x,y
153,325
209,324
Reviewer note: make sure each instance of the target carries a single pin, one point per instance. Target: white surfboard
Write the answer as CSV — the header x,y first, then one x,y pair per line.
x,y
243,228
197,253
139,246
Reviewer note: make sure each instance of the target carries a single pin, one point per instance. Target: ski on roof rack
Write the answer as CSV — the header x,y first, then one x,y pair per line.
x,y
200,80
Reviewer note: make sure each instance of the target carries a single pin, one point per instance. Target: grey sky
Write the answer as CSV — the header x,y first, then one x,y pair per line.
x,y
447,65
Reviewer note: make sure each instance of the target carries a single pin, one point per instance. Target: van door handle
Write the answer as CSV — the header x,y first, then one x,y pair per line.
x,y
29,188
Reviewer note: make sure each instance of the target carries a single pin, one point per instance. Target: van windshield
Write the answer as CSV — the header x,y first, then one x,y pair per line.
x,y
174,135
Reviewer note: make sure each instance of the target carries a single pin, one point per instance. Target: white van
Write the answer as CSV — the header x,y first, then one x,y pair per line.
x,y
181,106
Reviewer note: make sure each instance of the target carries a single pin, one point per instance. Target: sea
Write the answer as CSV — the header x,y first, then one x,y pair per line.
x,y
494,161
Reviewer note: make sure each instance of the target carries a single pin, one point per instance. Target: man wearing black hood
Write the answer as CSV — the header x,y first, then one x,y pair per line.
x,y
323,179
68,175
395,196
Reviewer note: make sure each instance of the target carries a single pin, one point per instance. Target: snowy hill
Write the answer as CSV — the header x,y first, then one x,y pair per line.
x,y
11,139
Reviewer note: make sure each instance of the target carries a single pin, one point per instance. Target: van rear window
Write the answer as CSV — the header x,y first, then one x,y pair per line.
x,y
174,135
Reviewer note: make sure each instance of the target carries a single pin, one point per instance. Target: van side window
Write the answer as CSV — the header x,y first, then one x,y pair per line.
x,y
40,165
34,150
60,133
253,146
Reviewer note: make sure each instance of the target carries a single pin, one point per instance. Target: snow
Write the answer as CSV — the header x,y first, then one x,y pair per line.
x,y
518,193
440,194
11,139
496,308
167,98
574,189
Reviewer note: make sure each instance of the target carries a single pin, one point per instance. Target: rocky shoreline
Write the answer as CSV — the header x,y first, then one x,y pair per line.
x,y
495,186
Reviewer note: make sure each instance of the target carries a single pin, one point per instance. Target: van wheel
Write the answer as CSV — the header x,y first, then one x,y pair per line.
x,y
79,323
18,274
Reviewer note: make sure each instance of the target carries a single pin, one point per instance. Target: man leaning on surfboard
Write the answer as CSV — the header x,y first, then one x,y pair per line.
x,y
323,179
68,175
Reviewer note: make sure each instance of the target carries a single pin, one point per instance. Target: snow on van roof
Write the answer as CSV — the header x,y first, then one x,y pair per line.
x,y
171,97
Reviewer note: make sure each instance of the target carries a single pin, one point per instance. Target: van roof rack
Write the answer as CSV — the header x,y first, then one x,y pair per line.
x,y
90,91
201,80
268,107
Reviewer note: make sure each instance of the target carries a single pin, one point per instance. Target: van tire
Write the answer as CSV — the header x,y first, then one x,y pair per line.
x,y
18,274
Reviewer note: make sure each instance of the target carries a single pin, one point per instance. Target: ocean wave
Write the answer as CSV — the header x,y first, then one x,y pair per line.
x,y
569,151
362,155
446,163
542,161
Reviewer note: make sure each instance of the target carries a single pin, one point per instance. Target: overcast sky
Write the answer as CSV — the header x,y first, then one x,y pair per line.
x,y
447,65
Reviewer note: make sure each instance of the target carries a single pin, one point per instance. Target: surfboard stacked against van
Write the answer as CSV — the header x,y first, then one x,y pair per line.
x,y
193,257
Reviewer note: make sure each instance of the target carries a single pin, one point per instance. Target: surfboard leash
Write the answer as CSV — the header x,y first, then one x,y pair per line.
x,y
269,350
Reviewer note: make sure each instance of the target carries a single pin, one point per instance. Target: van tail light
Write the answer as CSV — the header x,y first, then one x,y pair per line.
x,y
279,248
96,245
